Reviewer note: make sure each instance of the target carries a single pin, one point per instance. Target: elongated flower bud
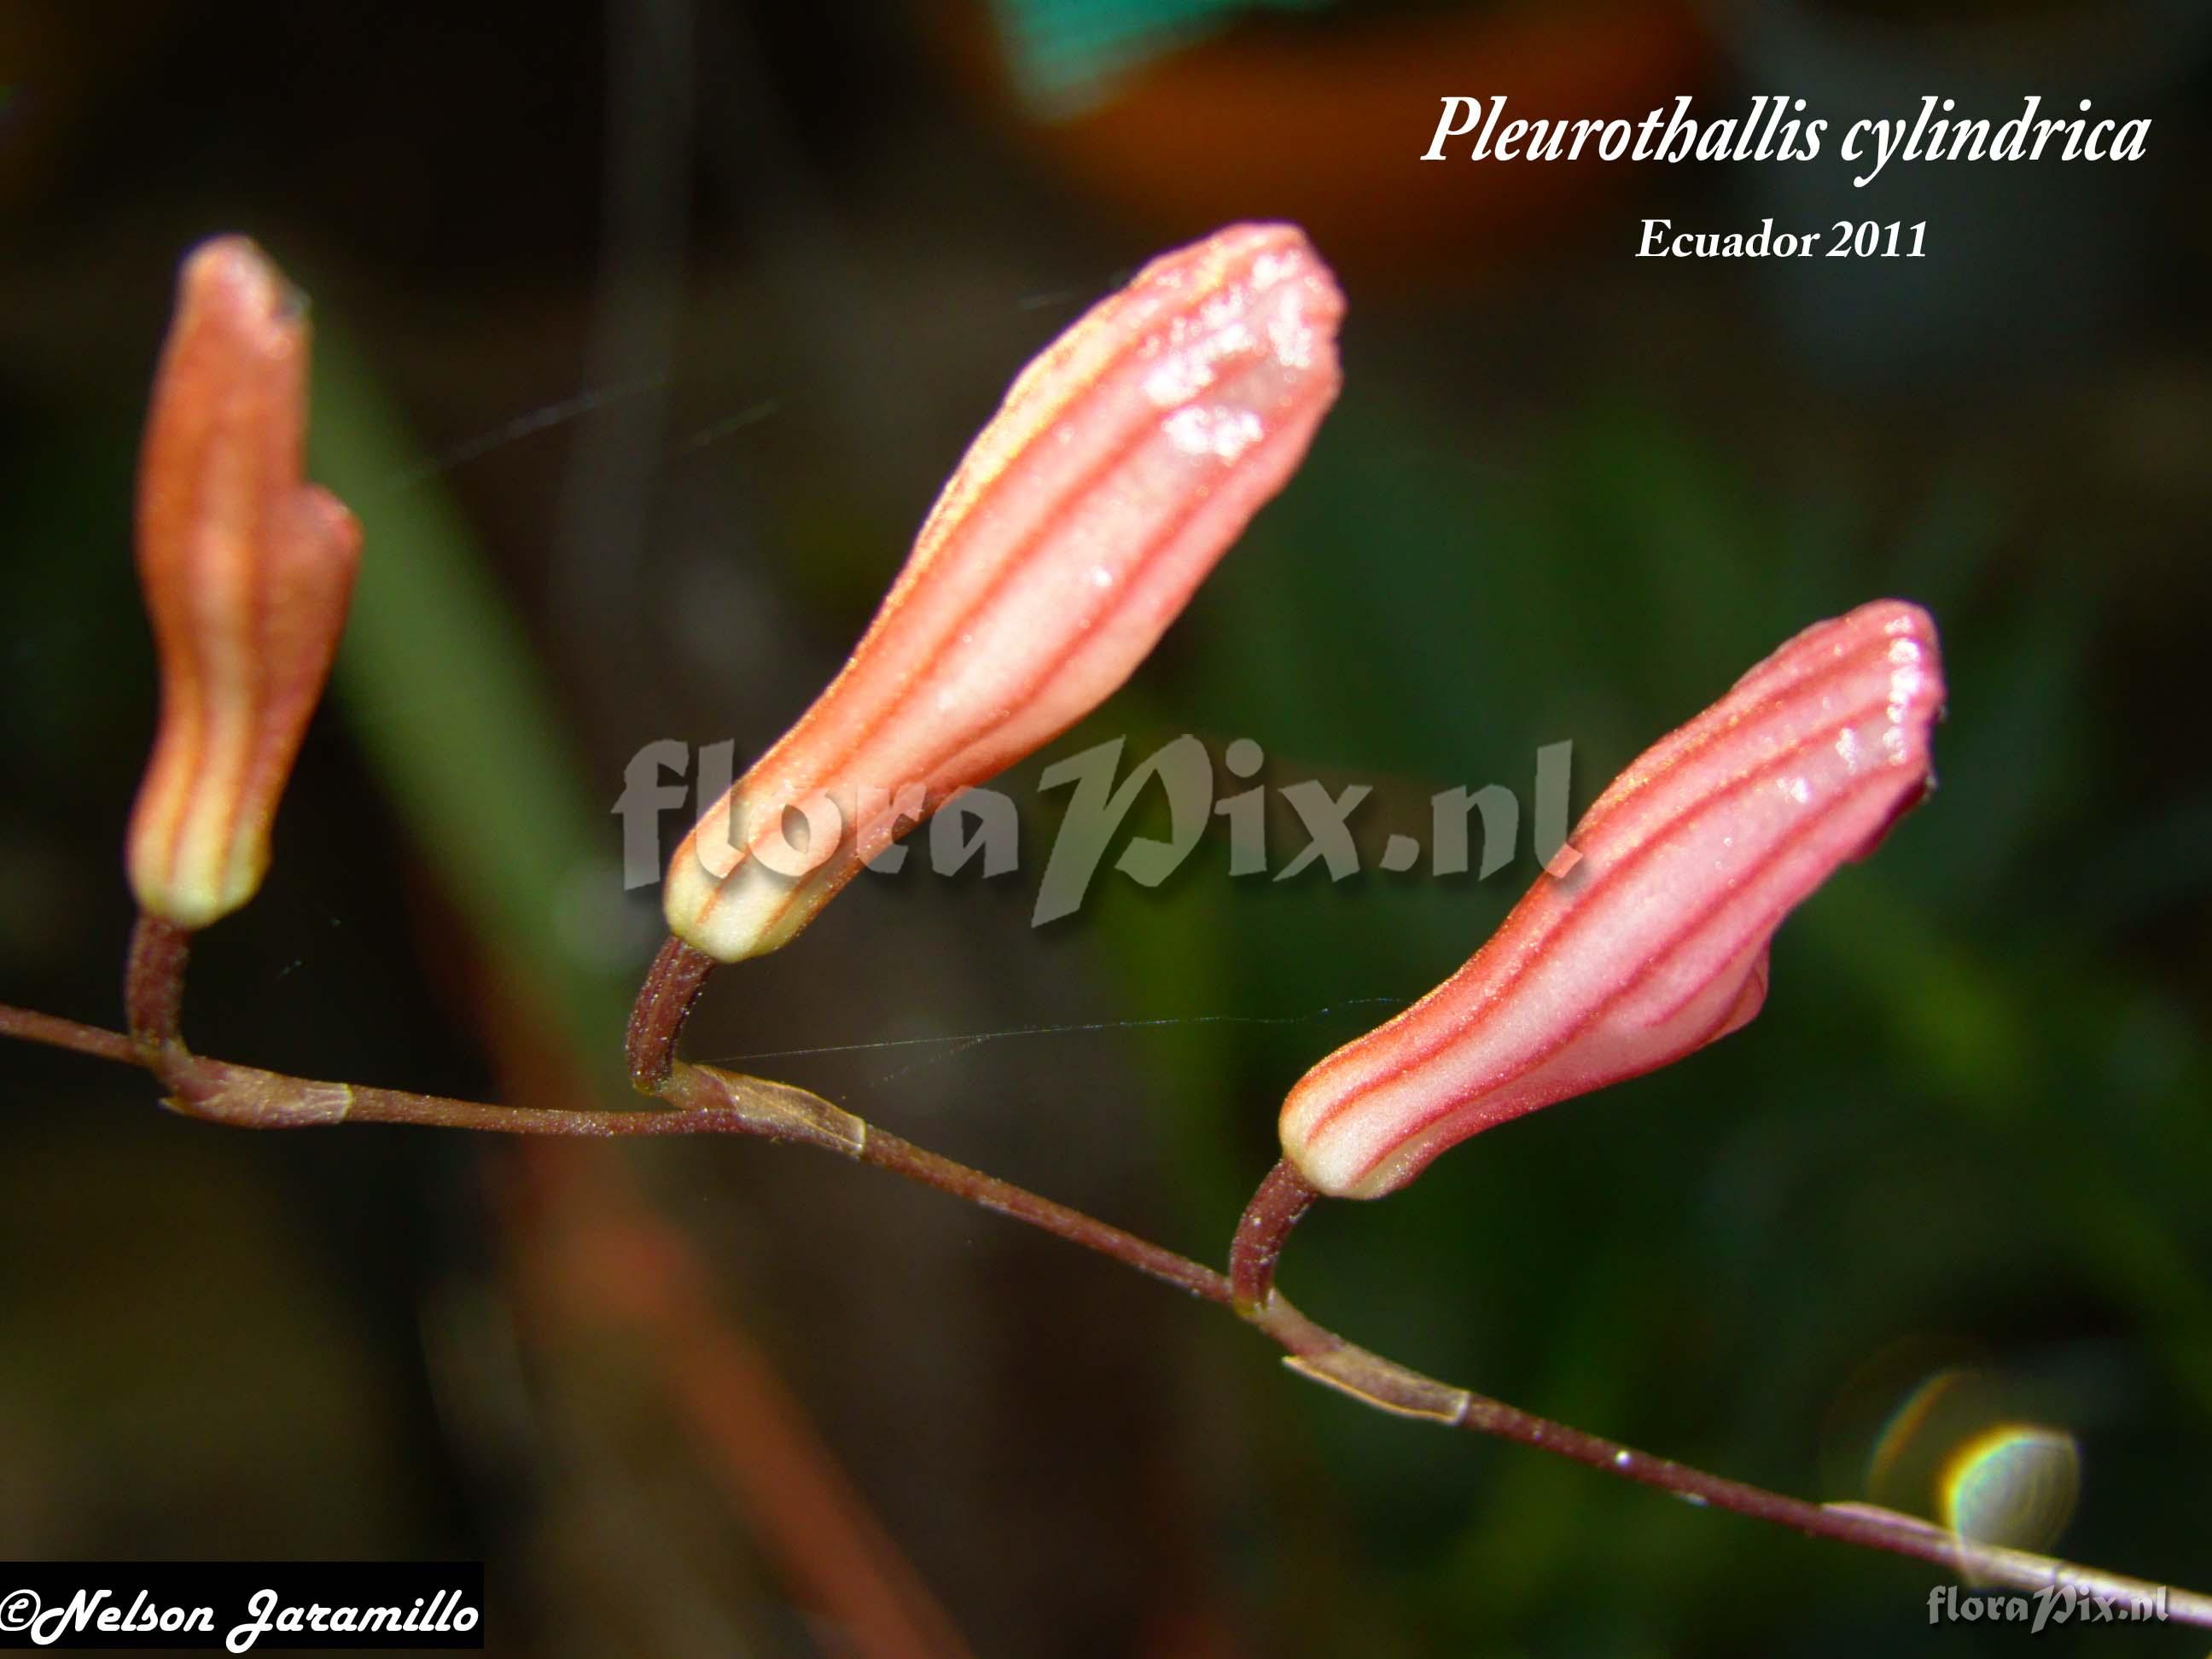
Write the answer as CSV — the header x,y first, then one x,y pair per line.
x,y
247,572
1124,462
1652,943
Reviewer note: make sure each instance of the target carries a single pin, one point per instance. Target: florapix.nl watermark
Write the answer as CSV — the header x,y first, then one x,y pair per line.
x,y
2051,1604
1475,831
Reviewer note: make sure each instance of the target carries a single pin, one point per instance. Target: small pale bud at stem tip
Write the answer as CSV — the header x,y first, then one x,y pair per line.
x,y
247,570
1654,942
1124,463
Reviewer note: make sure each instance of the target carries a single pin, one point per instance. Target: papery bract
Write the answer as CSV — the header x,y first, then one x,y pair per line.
x,y
1654,941
248,571
1124,462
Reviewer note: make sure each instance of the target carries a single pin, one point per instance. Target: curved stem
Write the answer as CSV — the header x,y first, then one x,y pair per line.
x,y
665,1002
1281,1203
244,1096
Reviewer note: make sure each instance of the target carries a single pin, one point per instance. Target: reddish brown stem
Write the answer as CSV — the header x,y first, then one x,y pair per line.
x,y
29,1026
242,1095
1326,1358
1281,1203
888,1151
664,1001
154,984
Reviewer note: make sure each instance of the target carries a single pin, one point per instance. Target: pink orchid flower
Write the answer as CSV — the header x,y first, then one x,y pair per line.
x,y
248,571
1124,462
1651,942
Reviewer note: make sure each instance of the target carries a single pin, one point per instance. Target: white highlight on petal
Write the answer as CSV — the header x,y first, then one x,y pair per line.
x,y
1212,429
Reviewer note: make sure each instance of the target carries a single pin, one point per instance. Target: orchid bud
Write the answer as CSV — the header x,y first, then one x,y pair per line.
x,y
1651,942
1123,463
247,570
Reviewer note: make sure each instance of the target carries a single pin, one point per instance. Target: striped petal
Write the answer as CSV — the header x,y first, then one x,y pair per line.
x,y
248,571
1653,942
1124,462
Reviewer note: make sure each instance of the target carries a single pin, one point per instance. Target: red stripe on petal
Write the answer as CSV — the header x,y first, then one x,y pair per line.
x,y
1655,944
1123,464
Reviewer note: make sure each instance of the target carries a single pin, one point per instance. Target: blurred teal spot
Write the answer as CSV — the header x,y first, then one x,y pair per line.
x,y
1064,54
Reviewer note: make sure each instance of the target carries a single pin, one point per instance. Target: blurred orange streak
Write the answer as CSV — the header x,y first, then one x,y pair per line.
x,y
1323,124
592,1253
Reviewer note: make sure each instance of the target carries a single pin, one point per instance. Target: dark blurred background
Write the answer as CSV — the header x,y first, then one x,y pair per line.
x,y
644,334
